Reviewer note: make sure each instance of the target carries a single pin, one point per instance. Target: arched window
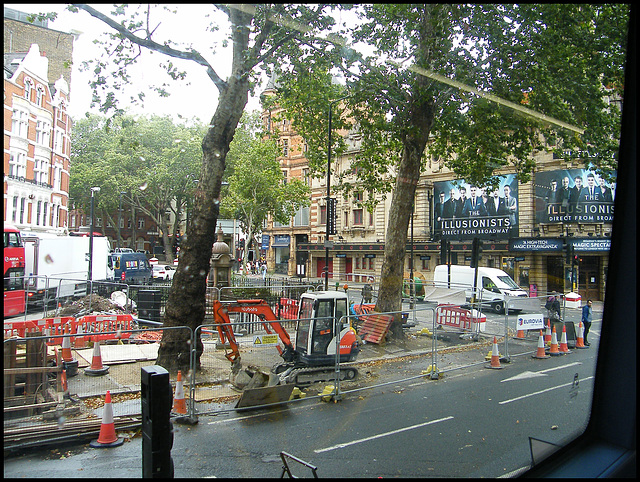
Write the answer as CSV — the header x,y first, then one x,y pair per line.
x,y
28,87
40,96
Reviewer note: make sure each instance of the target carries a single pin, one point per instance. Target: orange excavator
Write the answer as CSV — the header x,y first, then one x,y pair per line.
x,y
321,316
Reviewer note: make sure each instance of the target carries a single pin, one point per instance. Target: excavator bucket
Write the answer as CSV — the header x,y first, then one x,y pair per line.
x,y
252,397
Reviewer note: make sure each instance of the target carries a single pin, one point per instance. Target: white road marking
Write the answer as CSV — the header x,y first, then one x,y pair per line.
x,y
541,391
541,373
380,435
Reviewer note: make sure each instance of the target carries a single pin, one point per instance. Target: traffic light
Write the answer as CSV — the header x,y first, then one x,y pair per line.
x,y
445,245
570,253
476,253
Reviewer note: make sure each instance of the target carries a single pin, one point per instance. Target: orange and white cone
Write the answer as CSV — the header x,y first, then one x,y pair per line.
x,y
179,403
495,356
79,341
580,340
107,437
564,348
520,335
553,350
547,335
97,368
66,348
541,353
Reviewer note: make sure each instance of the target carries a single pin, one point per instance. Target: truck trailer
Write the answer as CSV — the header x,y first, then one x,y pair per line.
x,y
58,266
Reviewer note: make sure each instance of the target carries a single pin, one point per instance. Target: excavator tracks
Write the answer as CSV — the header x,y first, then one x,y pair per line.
x,y
307,376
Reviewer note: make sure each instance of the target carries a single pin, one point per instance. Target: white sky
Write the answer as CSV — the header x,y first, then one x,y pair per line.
x,y
191,18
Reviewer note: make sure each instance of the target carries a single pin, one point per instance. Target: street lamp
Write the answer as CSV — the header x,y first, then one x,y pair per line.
x,y
119,219
90,276
327,244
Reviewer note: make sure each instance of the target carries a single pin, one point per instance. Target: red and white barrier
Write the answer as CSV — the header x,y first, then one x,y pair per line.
x,y
456,317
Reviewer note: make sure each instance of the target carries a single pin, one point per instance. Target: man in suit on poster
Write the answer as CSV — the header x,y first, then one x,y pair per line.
x,y
474,207
449,210
511,205
495,204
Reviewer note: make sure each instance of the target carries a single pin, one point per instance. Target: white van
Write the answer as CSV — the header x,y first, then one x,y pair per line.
x,y
492,285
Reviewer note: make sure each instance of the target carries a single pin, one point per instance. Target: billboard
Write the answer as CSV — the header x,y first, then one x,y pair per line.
x,y
573,196
464,211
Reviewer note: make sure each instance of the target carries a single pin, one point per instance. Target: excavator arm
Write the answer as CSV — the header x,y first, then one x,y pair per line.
x,y
259,308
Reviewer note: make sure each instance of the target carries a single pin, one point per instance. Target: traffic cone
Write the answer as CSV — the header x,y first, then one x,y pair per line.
x,y
66,347
553,350
541,353
63,381
79,341
97,368
179,404
520,335
107,437
580,341
547,335
495,356
563,341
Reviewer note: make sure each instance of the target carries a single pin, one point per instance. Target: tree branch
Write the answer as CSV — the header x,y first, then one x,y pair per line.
x,y
192,55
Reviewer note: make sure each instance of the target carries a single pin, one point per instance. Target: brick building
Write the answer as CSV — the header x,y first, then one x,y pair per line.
x,y
36,124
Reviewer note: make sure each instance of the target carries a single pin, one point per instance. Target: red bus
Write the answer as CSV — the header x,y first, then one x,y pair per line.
x,y
14,294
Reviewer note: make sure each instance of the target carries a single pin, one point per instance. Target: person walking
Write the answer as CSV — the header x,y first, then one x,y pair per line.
x,y
587,315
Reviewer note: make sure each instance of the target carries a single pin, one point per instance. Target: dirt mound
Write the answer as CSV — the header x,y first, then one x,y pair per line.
x,y
89,304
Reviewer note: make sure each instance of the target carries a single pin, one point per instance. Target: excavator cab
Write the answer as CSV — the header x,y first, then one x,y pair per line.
x,y
318,315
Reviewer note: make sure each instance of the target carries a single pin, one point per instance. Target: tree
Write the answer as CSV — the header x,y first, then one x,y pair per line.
x,y
256,187
259,34
150,159
483,86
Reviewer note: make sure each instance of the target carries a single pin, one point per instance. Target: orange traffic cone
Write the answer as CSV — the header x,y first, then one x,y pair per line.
x,y
563,341
63,381
580,340
553,350
495,356
547,335
79,341
179,403
520,335
107,437
541,353
97,368
66,348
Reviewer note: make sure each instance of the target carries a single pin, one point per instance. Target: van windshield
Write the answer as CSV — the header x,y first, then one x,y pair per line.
x,y
509,282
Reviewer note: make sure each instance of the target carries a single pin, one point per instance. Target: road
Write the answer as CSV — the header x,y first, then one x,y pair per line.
x,y
473,422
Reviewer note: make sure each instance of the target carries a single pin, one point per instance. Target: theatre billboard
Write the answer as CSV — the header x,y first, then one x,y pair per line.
x,y
573,196
465,211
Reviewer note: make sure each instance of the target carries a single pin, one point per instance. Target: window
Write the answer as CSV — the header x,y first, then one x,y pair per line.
x,y
323,214
38,213
20,123
357,217
43,133
44,213
40,171
23,203
285,147
28,88
14,214
40,96
302,217
98,222
17,164
140,223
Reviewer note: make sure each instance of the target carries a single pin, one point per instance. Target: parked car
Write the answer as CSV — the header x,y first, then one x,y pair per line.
x,y
163,272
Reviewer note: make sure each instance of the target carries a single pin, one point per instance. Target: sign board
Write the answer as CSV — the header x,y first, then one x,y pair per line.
x,y
331,216
530,322
265,339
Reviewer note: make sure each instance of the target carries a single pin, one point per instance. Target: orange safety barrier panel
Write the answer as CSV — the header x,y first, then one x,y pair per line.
x,y
94,326
457,317
288,309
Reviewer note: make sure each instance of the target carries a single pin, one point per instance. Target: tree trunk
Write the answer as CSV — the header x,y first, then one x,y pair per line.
x,y
415,140
186,304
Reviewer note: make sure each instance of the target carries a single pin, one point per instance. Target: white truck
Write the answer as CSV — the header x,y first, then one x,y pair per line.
x,y
58,266
491,287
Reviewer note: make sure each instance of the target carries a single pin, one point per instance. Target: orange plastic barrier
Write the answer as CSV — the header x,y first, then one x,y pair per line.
x,y
288,309
95,325
457,317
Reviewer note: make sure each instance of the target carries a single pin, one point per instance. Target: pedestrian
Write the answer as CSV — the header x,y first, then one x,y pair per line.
x,y
264,271
367,291
587,315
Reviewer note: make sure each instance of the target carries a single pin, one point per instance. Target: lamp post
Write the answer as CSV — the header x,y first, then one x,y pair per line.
x,y
119,219
90,274
327,244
